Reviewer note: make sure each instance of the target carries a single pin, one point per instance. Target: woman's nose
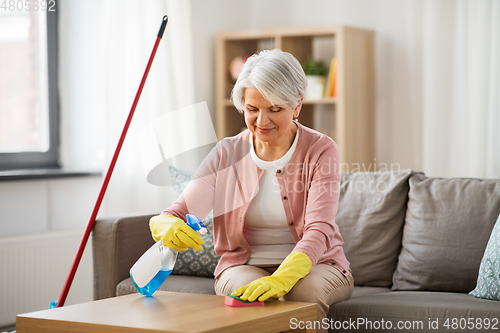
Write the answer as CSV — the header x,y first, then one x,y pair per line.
x,y
262,118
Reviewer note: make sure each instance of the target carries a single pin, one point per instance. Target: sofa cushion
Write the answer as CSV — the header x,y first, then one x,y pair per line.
x,y
191,262
370,217
448,223
417,310
177,283
363,291
488,281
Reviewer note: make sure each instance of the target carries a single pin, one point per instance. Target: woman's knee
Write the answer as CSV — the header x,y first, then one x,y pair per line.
x,y
324,284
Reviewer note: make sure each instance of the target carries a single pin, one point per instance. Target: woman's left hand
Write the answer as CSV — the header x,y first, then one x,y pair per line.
x,y
295,266
261,289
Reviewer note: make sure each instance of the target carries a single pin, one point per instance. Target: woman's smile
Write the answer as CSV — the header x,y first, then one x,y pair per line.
x,y
264,130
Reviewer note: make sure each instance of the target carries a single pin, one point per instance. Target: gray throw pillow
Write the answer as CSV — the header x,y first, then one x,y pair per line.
x,y
448,223
370,217
192,262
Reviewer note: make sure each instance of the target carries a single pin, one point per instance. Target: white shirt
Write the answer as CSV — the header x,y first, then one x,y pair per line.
x,y
265,228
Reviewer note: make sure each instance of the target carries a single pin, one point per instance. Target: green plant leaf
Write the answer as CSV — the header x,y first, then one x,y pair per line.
x,y
314,67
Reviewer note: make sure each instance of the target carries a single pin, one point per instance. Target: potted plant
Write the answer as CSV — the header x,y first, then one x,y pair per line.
x,y
315,71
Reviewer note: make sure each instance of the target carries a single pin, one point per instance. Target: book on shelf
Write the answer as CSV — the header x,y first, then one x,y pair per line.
x,y
331,83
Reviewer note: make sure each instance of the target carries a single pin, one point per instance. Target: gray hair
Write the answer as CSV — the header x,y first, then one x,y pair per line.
x,y
277,75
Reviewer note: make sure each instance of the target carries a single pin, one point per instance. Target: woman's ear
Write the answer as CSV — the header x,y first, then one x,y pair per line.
x,y
296,111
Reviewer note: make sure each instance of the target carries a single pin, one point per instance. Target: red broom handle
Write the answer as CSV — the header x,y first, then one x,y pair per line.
x,y
104,186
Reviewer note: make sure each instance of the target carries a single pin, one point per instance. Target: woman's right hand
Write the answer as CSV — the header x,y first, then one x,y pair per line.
x,y
174,233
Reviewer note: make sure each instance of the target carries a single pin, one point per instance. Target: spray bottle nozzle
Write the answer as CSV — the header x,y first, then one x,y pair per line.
x,y
194,222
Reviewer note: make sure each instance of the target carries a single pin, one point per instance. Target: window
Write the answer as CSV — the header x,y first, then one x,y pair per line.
x,y
28,85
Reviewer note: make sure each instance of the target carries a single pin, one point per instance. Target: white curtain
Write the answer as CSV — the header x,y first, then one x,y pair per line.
x,y
457,75
131,27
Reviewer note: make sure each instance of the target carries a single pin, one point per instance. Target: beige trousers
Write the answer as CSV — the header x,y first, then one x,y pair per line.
x,y
324,285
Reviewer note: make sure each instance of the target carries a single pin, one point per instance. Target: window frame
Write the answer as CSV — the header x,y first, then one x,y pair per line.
x,y
50,158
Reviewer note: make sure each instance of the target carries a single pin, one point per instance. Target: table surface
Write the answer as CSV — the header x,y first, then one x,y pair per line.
x,y
166,312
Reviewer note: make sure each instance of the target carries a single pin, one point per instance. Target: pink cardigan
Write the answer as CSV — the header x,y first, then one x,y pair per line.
x,y
228,179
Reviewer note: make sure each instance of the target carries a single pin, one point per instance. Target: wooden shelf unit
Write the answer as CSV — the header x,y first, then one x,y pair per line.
x,y
349,117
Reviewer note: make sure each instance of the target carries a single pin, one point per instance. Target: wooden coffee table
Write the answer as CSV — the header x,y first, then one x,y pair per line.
x,y
166,312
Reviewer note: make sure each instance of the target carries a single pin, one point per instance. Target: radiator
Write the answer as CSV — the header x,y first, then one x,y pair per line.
x,y
33,270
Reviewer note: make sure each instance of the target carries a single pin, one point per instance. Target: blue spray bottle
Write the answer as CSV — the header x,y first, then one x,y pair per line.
x,y
156,264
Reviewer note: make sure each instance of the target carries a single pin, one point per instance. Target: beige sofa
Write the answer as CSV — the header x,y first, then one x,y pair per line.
x,y
415,245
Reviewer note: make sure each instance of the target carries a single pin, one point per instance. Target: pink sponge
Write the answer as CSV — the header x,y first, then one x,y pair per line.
x,y
235,301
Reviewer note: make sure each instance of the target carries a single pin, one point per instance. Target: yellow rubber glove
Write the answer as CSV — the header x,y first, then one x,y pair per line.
x,y
174,233
295,266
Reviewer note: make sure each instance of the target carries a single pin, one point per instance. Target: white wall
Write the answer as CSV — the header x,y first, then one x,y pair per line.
x,y
208,18
39,206
34,210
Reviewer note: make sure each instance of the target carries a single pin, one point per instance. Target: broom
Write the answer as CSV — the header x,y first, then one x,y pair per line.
x,y
104,186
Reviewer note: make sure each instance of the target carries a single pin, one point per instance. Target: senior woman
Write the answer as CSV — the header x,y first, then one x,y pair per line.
x,y
274,191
